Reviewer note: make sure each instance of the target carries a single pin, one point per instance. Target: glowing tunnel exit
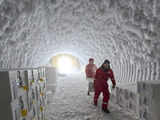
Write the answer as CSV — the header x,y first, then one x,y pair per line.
x,y
65,63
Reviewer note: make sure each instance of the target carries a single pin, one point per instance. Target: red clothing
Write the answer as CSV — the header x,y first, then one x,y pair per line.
x,y
102,77
90,70
101,85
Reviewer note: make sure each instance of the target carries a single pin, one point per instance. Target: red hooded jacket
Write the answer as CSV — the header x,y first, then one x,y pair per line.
x,y
102,77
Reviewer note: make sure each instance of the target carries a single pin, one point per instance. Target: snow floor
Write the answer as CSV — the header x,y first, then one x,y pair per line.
x,y
71,102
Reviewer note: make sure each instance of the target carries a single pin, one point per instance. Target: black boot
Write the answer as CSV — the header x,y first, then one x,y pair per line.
x,y
88,93
106,110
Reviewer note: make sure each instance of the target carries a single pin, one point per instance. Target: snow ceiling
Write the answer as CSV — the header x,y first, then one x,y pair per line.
x,y
125,31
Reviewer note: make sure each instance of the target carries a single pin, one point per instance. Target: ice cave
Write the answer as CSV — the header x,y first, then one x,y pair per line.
x,y
45,45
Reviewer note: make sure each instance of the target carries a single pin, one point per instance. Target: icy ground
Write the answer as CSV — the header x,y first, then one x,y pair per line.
x,y
71,102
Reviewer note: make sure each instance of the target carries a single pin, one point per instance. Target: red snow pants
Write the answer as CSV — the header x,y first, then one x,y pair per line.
x,y
106,96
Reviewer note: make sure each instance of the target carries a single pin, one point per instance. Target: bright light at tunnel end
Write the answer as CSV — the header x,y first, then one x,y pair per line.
x,y
65,65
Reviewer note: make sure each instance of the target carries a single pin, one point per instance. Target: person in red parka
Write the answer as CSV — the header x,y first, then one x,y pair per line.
x,y
100,84
90,71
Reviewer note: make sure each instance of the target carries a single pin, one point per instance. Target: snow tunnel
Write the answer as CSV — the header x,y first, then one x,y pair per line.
x,y
34,33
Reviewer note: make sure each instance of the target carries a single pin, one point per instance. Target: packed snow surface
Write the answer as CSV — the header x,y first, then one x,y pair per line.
x,y
71,102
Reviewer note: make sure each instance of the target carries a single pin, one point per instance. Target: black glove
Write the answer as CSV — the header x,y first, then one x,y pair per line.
x,y
113,86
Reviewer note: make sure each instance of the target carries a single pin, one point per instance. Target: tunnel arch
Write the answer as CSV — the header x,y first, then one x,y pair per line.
x,y
125,32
